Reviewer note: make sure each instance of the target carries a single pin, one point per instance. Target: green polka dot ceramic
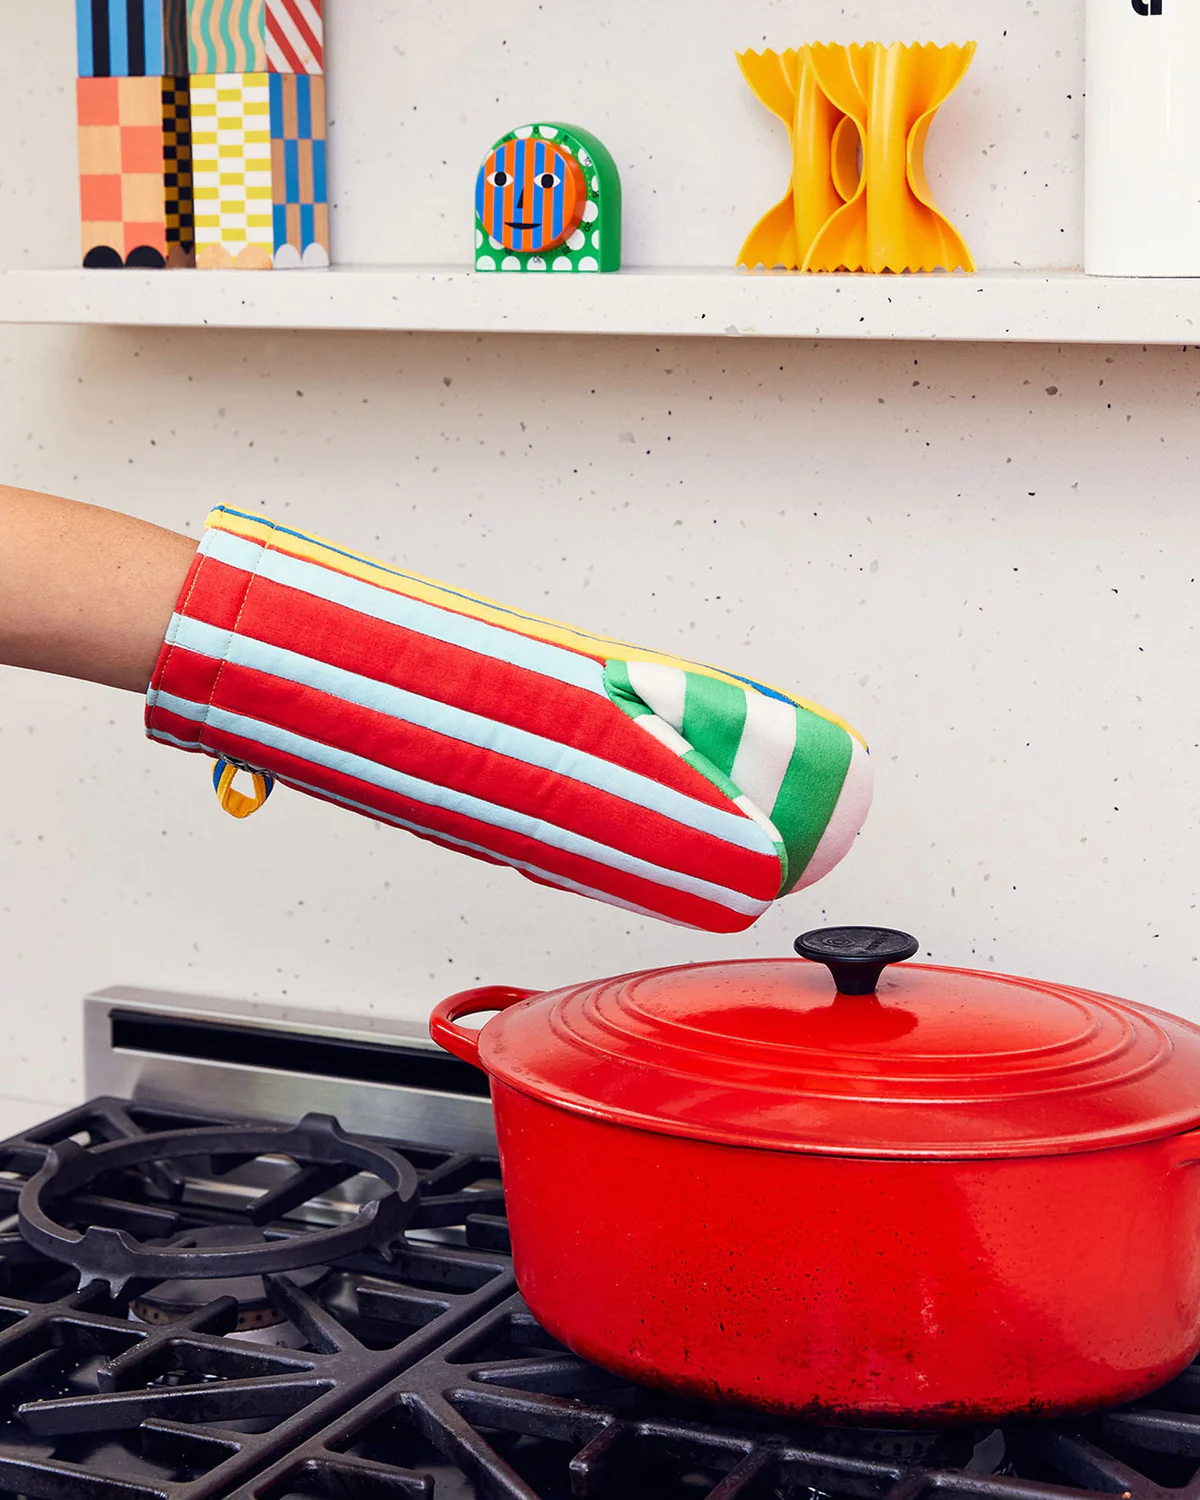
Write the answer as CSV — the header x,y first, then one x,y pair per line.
x,y
588,240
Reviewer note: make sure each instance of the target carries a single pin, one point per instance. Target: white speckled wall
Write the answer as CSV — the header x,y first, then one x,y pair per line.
x,y
986,558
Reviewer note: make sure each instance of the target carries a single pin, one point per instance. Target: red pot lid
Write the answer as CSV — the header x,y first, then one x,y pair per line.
x,y
932,1063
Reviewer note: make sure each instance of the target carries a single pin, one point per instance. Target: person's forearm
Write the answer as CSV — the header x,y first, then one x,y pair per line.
x,y
85,592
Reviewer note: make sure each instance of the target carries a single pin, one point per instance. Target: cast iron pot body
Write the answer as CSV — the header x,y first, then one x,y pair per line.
x,y
967,1197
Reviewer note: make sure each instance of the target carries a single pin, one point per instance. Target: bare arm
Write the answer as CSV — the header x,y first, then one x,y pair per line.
x,y
85,592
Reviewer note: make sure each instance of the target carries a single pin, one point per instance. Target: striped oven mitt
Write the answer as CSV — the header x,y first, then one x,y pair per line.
x,y
673,790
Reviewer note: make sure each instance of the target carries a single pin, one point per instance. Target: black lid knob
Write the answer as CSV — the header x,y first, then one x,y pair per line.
x,y
856,956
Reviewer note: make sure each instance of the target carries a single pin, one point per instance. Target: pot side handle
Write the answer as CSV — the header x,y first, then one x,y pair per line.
x,y
461,1040
1184,1150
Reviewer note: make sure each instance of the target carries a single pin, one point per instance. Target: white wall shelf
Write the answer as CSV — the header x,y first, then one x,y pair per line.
x,y
1028,307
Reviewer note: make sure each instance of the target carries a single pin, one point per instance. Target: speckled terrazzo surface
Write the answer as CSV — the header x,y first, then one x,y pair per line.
x,y
984,557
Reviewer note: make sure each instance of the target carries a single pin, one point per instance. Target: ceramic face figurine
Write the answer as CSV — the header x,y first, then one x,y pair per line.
x,y
548,198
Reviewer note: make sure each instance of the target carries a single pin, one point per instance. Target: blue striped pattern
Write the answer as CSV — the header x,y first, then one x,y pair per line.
x,y
154,37
118,39
293,146
559,209
83,36
489,814
412,614
396,696
522,208
530,199
183,708
615,646
484,188
468,728
106,48
518,237
465,846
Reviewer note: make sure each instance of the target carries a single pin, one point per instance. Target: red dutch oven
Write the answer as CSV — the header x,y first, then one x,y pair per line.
x,y
909,1196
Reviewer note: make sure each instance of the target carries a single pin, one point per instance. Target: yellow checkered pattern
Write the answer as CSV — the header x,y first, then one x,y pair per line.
x,y
231,161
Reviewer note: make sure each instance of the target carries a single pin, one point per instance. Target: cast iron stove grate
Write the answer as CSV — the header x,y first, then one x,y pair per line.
x,y
501,1412
426,1377
125,1395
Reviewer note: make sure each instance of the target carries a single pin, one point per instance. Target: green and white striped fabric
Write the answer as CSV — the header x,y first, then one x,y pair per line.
x,y
802,775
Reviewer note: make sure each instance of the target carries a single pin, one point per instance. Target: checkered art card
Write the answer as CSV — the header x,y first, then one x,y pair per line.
x,y
202,134
135,172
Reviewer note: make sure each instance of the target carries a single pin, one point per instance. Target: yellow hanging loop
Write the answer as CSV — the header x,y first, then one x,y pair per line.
x,y
238,804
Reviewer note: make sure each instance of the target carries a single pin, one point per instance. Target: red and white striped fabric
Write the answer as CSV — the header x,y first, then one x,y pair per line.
x,y
295,36
498,734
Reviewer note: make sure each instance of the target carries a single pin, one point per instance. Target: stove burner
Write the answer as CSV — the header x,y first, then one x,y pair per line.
x,y
978,1450
425,1376
502,1410
880,1442
326,1154
174,1301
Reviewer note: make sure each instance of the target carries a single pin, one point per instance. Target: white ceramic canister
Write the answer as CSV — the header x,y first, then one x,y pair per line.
x,y
1143,138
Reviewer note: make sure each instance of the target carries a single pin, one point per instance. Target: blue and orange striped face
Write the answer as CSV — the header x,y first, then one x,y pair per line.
x,y
530,195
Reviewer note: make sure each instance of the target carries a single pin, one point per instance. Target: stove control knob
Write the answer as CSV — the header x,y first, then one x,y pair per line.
x,y
856,956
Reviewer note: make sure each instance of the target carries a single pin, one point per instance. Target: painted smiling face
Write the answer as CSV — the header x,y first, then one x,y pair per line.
x,y
530,195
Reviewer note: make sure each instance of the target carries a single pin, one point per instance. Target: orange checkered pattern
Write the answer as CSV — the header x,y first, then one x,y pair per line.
x,y
123,148
177,165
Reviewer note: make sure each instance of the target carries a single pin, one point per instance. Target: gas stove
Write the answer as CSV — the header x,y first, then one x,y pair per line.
x,y
269,1261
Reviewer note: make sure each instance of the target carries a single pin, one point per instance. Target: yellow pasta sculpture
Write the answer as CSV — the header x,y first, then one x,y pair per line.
x,y
858,118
